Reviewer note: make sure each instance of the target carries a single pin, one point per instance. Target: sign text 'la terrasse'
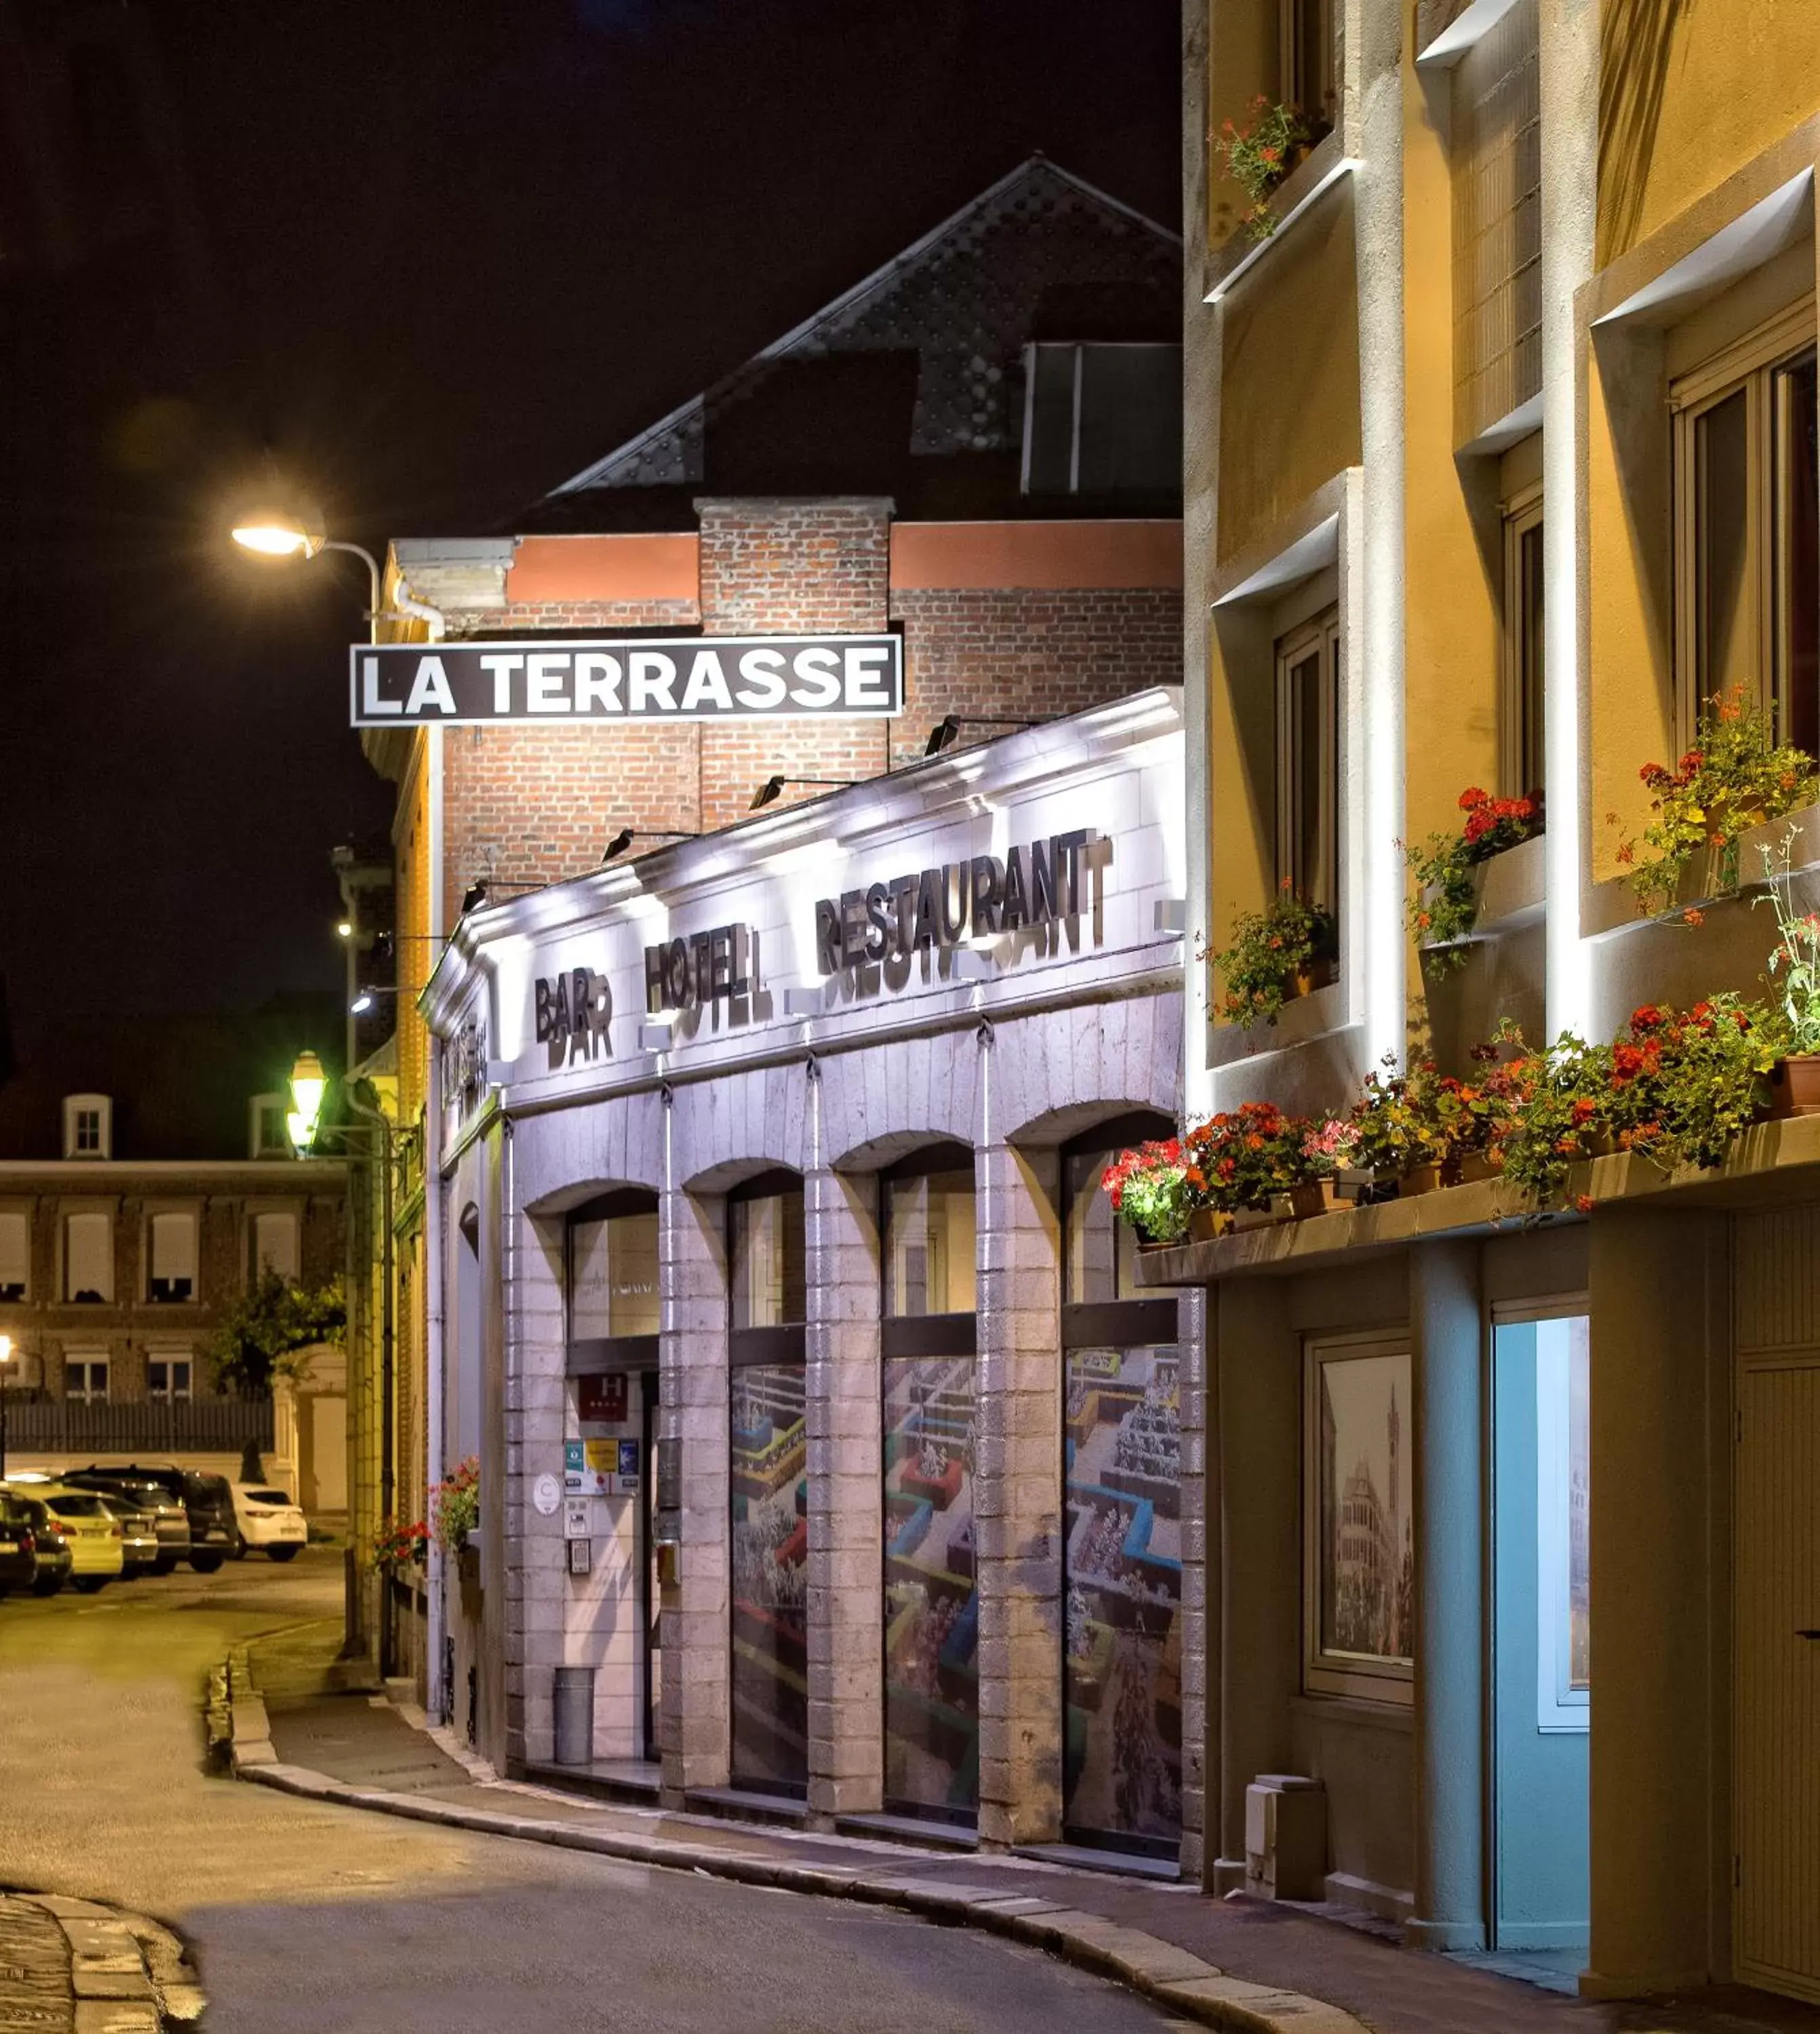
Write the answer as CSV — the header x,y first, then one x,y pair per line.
x,y
670,677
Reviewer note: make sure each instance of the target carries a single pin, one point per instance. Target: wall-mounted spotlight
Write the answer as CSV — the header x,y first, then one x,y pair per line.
x,y
626,836
947,732
773,788
365,1001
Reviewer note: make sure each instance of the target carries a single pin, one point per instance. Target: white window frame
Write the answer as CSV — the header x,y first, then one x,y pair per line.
x,y
256,1147
1362,1677
1321,634
105,1217
1522,517
78,1109
23,1217
170,1359
87,1362
1750,365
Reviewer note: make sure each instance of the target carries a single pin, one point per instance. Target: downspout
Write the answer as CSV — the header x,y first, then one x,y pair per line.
x,y
382,1124
440,1698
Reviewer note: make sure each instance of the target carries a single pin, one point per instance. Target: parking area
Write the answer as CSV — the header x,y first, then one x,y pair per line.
x,y
310,1587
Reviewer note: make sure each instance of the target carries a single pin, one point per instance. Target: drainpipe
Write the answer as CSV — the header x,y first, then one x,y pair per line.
x,y
388,1479
440,1701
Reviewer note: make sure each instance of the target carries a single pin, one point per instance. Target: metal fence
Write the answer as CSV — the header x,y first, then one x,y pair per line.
x,y
213,1425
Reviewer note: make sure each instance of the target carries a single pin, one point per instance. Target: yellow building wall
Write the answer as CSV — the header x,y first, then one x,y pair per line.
x,y
1242,61
1289,374
1689,94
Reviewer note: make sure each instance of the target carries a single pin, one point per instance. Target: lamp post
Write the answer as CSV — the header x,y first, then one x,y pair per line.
x,y
280,533
6,1362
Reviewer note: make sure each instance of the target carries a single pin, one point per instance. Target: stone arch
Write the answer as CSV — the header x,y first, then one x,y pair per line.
x,y
725,1131
1058,1069
571,1155
879,1104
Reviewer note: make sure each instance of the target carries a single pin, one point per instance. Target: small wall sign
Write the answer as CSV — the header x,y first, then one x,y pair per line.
x,y
602,1399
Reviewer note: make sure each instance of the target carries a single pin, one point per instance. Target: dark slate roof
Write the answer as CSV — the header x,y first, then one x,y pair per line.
x,y
180,1085
911,383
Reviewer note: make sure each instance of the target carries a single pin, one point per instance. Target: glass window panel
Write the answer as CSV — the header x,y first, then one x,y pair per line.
x,y
612,1277
1122,1653
768,1284
1050,468
929,1244
1102,1252
274,1245
770,1541
1531,673
88,1257
1725,633
1797,554
1365,1554
1131,422
932,1600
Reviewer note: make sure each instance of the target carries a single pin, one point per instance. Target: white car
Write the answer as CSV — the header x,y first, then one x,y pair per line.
x,y
266,1518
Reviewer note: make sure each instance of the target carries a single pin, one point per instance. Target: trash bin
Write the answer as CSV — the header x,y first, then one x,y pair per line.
x,y
574,1716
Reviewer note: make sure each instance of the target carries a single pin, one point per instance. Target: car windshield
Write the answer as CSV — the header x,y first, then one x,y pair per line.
x,y
79,1505
265,1497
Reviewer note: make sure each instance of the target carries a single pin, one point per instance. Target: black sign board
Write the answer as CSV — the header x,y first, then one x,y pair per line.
x,y
657,677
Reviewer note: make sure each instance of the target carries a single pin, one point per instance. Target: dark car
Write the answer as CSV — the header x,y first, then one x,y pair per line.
x,y
141,1492
51,1560
206,1500
18,1571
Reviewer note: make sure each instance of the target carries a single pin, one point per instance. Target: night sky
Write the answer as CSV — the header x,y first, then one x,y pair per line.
x,y
431,259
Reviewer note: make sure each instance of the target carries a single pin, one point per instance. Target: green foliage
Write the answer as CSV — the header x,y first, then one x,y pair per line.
x,y
1269,949
1794,966
1149,1189
1261,153
455,1505
269,1323
1446,902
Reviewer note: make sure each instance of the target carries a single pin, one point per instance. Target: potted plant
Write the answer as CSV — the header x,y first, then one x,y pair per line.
x,y
1274,141
1329,1147
1548,1109
396,1546
1734,777
454,1521
1793,975
1449,870
1151,1190
1251,1158
1402,1136
1281,952
1684,1084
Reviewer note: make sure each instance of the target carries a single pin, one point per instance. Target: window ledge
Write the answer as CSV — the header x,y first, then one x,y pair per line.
x,y
1302,1017
1513,894
1239,253
1613,909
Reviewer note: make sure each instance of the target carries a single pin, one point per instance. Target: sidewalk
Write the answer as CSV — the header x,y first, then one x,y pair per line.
x,y
73,1966
1236,1963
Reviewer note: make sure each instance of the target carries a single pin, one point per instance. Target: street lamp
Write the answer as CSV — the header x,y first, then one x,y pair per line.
x,y
6,1359
269,532
309,1084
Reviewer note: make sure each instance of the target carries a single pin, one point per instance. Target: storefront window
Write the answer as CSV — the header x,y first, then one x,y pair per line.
x,y
932,1596
768,1485
1122,1579
612,1289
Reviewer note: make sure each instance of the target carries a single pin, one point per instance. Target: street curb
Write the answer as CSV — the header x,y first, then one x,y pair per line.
x,y
128,1973
1159,1970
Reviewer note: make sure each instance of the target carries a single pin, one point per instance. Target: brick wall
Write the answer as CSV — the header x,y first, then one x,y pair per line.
x,y
527,805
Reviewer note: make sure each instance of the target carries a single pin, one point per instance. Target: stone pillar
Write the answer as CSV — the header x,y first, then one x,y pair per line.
x,y
529,1275
1017,1494
1446,1365
845,1521
693,1730
1200,1617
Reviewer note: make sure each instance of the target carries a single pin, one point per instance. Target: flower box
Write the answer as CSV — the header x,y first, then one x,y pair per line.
x,y
1794,1086
1244,1218
1206,1224
1478,1166
1419,1180
1318,1197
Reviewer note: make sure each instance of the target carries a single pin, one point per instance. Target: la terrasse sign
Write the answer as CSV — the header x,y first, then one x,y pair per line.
x,y
644,678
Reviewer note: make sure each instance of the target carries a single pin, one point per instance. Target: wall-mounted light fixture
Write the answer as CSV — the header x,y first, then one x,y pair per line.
x,y
626,836
773,788
947,731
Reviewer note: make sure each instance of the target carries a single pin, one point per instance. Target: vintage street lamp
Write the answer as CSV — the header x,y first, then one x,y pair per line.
x,y
309,1084
6,1361
270,532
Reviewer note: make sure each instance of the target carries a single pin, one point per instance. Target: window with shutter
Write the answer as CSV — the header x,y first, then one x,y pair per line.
x,y
173,1257
88,1259
15,1253
275,1246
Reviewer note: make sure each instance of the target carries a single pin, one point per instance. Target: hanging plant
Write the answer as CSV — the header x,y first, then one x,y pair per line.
x,y
1734,777
455,1506
1445,905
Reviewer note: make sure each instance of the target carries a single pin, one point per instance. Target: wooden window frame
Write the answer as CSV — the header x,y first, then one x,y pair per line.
x,y
1321,634
1523,515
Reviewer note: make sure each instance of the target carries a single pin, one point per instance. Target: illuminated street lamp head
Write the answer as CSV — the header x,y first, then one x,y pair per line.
x,y
276,533
344,930
361,1004
5,1349
309,1084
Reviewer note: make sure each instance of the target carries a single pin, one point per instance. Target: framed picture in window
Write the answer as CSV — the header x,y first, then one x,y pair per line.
x,y
1359,1592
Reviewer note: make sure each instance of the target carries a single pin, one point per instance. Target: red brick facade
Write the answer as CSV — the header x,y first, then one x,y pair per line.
x,y
526,805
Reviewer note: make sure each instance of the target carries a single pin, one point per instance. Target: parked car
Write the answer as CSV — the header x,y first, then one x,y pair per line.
x,y
51,1556
91,1532
18,1569
138,1531
268,1520
170,1516
206,1499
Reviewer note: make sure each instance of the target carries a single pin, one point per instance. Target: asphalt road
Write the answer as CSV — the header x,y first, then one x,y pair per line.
x,y
312,1919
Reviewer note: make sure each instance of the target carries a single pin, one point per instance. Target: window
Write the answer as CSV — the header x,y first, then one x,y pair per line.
x,y
1305,68
1308,762
1359,1532
275,1246
1122,1546
930,1242
172,1258
88,1126
15,1253
767,1453
167,1377
1747,537
1103,420
85,1378
271,1139
613,1288
1522,714
88,1259
1563,1593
